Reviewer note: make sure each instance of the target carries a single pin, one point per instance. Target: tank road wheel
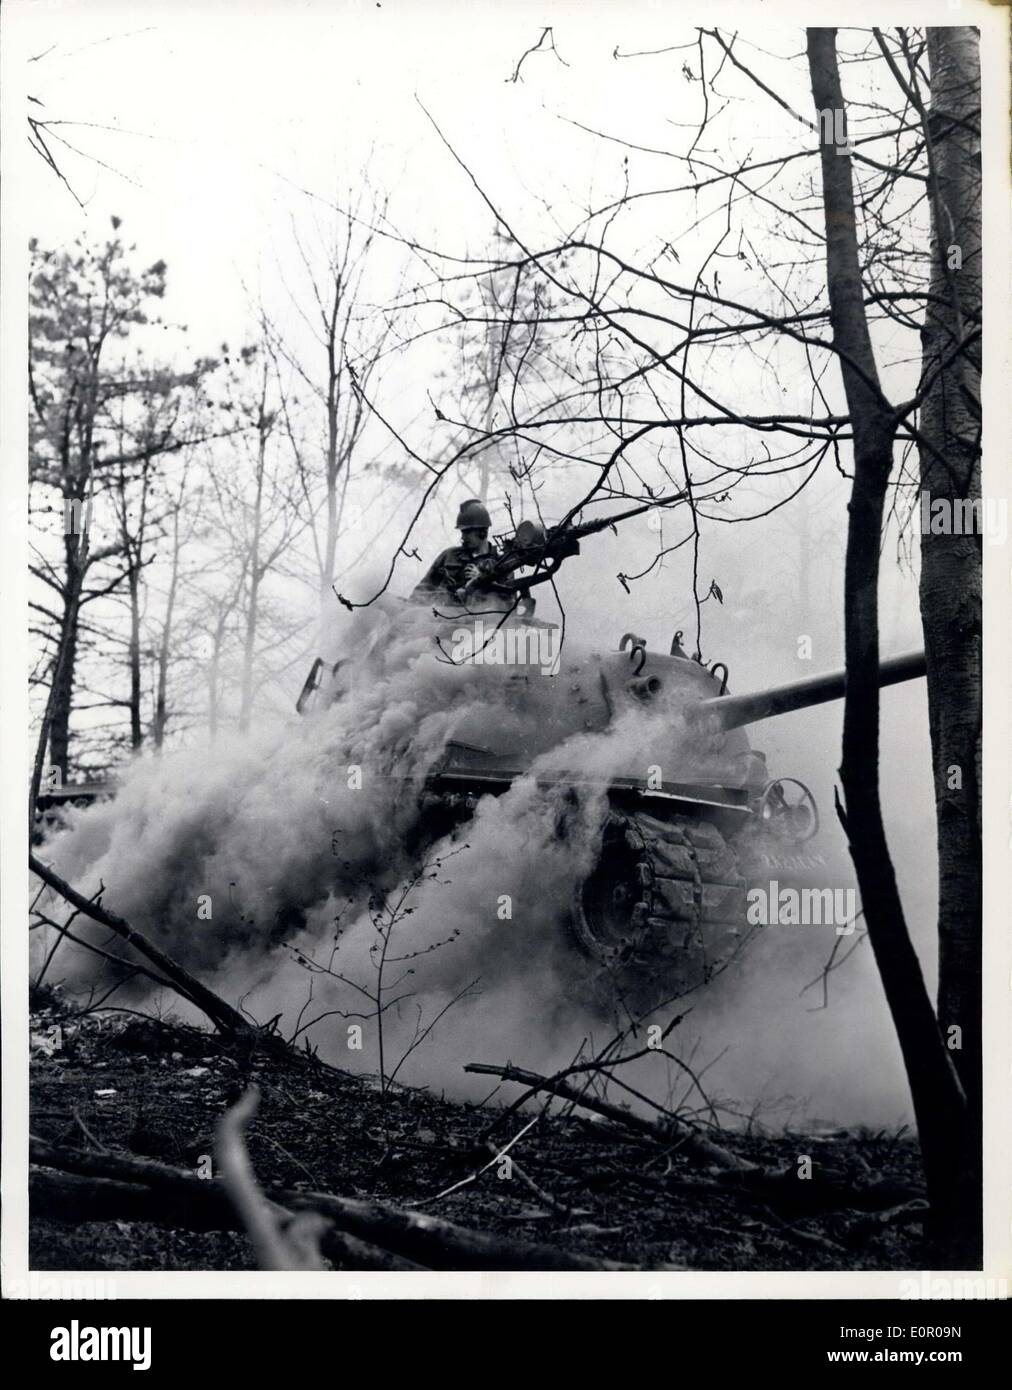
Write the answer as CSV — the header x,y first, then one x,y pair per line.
x,y
663,908
787,808
605,901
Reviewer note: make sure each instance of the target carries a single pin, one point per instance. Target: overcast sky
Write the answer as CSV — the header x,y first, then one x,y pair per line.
x,y
216,114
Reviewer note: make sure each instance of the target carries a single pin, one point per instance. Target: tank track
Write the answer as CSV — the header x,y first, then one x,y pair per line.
x,y
663,911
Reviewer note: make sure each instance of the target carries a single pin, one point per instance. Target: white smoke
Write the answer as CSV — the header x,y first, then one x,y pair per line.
x,y
239,856
257,861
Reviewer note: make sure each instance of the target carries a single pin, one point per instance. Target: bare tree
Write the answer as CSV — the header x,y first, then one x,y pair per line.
x,y
181,527
256,523
83,433
501,336
137,498
325,423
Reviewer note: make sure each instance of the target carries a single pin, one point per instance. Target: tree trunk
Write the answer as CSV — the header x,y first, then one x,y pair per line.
x,y
161,691
134,653
939,1105
255,576
803,506
213,680
950,585
249,650
334,348
483,463
62,688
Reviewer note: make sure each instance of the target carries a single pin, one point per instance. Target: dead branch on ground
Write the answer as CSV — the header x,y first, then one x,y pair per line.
x,y
222,1015
172,1196
691,1142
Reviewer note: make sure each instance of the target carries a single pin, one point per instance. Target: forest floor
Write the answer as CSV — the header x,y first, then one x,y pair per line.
x,y
120,1084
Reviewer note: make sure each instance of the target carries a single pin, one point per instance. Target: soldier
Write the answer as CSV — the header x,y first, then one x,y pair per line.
x,y
453,568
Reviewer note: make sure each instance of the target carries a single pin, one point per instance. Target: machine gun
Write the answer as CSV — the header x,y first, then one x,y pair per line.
x,y
543,550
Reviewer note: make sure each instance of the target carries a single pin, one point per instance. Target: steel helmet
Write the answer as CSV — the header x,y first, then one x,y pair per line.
x,y
473,513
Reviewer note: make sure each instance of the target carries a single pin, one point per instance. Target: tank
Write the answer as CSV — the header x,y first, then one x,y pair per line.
x,y
688,815
693,815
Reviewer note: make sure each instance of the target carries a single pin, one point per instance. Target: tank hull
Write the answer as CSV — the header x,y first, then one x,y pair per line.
x,y
684,803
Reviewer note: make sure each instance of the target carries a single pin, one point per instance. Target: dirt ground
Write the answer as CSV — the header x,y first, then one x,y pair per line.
x,y
125,1084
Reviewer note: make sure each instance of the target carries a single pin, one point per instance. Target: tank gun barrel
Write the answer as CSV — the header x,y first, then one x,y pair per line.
x,y
731,711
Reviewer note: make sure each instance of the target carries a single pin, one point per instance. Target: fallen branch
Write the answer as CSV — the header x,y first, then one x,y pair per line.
x,y
496,1153
61,930
874,1223
801,1236
74,1199
65,932
222,1015
821,1192
426,1240
346,1251
690,1141
544,1197
441,1244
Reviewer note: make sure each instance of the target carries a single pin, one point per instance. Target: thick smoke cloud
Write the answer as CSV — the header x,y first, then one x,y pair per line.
x,y
255,860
